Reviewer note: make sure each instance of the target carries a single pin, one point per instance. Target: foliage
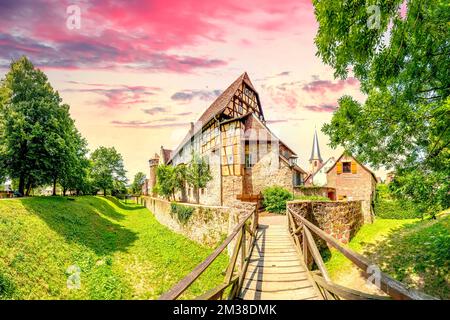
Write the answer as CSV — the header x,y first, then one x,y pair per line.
x,y
180,176
121,249
427,191
198,173
388,207
138,182
275,198
76,168
403,67
166,181
107,171
39,143
415,252
183,212
313,198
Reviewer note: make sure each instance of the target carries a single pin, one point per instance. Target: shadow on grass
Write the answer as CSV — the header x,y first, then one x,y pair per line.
x,y
121,205
7,287
417,254
79,221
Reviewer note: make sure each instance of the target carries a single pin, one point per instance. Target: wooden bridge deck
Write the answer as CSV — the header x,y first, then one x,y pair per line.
x,y
275,271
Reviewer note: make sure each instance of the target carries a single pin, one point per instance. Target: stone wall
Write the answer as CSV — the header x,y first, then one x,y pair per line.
x,y
313,191
340,219
231,187
207,225
271,171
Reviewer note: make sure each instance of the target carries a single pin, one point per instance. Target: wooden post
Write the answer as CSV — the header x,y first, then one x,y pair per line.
x,y
243,249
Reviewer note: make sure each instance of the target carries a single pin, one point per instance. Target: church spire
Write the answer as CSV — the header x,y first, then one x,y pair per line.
x,y
315,160
315,153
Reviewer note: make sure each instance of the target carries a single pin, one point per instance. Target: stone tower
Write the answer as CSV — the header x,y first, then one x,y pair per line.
x,y
153,163
315,161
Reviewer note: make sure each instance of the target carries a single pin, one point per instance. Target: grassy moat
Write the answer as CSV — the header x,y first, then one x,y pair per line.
x,y
121,251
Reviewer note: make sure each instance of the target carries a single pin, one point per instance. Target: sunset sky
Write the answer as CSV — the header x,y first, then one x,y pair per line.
x,y
137,72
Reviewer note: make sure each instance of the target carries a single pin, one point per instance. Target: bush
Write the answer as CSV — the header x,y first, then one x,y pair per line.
x,y
275,199
387,207
313,198
182,212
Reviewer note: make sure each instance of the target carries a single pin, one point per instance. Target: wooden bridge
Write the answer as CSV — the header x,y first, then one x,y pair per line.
x,y
278,259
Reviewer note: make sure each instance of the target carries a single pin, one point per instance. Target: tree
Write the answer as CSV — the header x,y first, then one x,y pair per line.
x,y
180,175
74,173
198,174
138,182
166,183
403,66
35,128
107,170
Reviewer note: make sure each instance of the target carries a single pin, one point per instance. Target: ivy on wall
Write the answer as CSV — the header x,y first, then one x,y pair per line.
x,y
182,212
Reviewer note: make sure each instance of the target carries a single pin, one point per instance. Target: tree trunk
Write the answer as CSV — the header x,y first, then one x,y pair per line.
x,y
54,187
64,191
197,194
183,193
104,192
28,189
22,184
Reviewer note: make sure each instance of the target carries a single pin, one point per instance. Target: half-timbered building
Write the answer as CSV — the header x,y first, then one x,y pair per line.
x,y
244,155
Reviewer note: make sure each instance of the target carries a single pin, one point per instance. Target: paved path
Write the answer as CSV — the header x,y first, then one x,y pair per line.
x,y
274,270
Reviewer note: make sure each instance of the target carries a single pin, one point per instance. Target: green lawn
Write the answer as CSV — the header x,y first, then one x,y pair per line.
x,y
121,250
413,251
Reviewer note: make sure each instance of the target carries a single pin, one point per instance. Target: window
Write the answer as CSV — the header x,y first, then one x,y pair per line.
x,y
346,167
240,108
298,179
248,161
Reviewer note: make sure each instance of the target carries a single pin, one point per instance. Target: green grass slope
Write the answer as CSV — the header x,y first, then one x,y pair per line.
x,y
413,251
122,252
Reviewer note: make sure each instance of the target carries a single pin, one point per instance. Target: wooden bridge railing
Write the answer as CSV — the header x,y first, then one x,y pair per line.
x,y
245,235
300,230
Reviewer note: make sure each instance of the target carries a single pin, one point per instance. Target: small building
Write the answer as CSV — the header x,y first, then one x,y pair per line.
x,y
353,181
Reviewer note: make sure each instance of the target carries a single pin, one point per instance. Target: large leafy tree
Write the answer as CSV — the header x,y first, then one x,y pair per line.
x,y
74,172
166,181
138,182
35,128
403,65
107,170
198,173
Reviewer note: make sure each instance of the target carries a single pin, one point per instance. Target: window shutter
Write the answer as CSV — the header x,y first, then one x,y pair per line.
x,y
339,167
353,166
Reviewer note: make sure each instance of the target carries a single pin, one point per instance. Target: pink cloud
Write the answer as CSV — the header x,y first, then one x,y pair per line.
x,y
134,35
321,86
117,97
321,108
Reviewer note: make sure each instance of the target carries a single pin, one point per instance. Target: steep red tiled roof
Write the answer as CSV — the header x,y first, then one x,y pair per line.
x,y
215,108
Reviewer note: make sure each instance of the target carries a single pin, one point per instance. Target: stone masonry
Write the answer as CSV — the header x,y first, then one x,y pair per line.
x,y
340,219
